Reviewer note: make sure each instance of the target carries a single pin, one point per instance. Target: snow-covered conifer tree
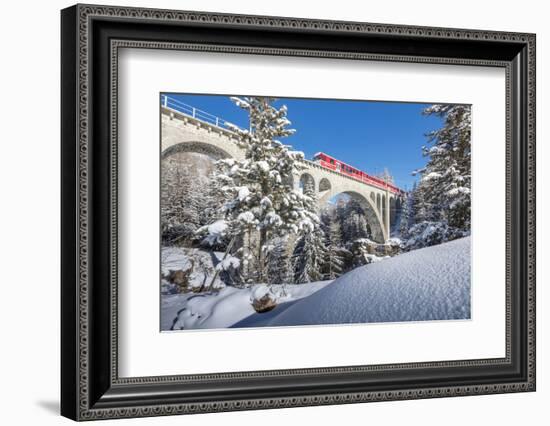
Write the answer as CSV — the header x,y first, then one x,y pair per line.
x,y
309,257
447,175
212,202
335,259
310,251
259,188
279,265
405,217
179,203
423,210
355,226
441,205
353,221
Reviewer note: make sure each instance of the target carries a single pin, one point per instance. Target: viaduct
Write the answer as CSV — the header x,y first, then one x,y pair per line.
x,y
186,129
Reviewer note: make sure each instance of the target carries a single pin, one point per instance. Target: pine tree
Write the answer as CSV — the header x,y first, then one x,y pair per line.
x,y
441,200
353,221
334,257
341,212
355,226
422,209
310,251
213,201
279,270
179,203
309,257
446,179
259,188
404,217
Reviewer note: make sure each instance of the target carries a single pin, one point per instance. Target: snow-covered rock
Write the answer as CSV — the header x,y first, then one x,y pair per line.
x,y
197,265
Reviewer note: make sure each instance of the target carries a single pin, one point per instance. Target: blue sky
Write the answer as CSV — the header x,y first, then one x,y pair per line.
x,y
367,135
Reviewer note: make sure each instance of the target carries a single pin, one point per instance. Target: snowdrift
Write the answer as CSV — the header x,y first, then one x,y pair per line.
x,y
427,284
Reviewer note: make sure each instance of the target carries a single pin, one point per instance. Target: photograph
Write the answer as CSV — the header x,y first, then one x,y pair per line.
x,y
280,211
268,207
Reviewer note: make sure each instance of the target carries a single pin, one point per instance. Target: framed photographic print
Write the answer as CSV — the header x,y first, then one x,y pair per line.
x,y
263,212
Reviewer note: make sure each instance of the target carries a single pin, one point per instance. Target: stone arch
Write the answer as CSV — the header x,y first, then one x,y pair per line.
x,y
373,218
324,185
196,147
306,179
378,203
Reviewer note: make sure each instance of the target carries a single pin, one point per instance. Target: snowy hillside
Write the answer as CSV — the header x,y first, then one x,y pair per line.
x,y
427,284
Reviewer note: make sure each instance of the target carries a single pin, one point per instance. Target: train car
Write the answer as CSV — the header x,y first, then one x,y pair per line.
x,y
326,161
331,163
336,165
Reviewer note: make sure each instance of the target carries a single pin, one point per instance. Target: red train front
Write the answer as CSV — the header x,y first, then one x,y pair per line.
x,y
331,163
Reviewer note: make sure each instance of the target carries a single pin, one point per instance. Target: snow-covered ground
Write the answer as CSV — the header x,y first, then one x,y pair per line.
x,y
426,284
432,283
229,306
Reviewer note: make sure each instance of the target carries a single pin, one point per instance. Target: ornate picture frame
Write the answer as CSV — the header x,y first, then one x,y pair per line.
x,y
91,38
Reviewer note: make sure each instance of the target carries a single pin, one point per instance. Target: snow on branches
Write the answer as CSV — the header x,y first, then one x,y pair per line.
x,y
441,201
259,188
448,171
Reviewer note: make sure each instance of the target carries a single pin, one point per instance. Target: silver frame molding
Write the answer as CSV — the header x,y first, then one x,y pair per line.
x,y
91,388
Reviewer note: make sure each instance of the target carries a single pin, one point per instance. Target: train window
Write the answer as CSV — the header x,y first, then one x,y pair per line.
x,y
331,161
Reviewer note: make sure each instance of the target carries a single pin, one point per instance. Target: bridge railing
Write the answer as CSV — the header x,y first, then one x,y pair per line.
x,y
189,110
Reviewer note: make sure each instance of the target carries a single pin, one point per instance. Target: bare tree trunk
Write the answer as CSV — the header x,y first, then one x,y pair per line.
x,y
261,257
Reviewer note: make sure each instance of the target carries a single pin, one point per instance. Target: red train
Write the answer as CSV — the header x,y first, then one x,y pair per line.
x,y
340,167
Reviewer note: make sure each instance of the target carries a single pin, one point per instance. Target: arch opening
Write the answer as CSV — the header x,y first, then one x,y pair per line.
x,y
324,185
306,181
373,224
196,147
